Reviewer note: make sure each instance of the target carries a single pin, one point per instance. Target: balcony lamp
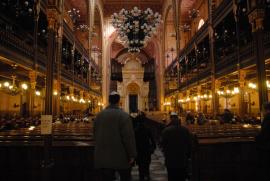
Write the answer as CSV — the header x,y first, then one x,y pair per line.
x,y
24,86
6,84
55,93
38,93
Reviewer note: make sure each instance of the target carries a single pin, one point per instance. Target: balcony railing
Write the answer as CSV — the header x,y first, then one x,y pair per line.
x,y
267,44
197,38
222,11
69,34
67,75
10,40
14,42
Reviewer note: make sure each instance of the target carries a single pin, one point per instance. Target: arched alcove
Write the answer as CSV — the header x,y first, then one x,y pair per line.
x,y
170,37
201,23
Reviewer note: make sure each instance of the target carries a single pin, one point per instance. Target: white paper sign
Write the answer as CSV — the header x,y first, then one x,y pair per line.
x,y
46,124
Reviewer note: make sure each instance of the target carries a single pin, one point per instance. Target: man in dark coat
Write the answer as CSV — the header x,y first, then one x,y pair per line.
x,y
263,143
115,147
145,146
176,144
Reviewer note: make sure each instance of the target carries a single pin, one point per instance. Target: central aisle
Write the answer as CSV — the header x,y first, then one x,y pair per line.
x,y
157,168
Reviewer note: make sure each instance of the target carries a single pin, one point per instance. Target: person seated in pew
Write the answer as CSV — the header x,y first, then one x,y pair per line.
x,y
246,119
9,125
236,119
190,119
227,116
201,119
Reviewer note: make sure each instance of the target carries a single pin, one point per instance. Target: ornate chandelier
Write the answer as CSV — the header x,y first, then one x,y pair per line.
x,y
136,27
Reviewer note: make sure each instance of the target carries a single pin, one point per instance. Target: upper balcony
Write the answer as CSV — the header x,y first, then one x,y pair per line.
x,y
233,48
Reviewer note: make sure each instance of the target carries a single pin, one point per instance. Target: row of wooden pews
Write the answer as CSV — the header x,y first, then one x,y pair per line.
x,y
225,152
22,153
220,152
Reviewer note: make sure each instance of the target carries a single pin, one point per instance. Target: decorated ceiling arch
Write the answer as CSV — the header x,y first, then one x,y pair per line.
x,y
170,36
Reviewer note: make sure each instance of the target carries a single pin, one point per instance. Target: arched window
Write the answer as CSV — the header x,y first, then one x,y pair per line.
x,y
201,22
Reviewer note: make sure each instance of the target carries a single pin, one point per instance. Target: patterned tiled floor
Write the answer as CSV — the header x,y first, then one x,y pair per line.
x,y
157,169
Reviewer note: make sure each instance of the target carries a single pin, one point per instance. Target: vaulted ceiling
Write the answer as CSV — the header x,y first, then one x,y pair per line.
x,y
185,7
111,6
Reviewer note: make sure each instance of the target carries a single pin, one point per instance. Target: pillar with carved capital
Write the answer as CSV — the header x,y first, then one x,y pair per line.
x,y
188,102
81,94
215,97
199,91
71,90
53,17
58,61
256,18
33,78
176,4
56,97
214,83
242,107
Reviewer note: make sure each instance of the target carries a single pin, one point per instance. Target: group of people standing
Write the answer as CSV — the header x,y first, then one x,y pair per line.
x,y
120,144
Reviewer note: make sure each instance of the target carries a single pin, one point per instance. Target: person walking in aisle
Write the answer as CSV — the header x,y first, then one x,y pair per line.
x,y
145,146
176,145
115,147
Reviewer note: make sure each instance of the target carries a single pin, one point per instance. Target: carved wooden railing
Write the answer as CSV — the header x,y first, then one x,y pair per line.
x,y
69,34
199,36
14,42
10,40
230,61
267,44
222,11
68,76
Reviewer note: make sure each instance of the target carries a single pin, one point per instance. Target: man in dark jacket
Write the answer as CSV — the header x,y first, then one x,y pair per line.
x,y
145,146
176,144
115,148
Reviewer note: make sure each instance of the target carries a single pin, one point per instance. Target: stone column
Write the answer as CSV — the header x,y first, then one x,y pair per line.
x,y
199,91
72,62
256,18
242,76
56,97
53,13
71,94
188,102
176,4
81,93
215,104
215,97
32,77
58,62
53,16
35,43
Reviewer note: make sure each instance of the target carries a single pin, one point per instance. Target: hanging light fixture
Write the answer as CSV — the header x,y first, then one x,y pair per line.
x,y
74,14
194,13
83,27
13,89
135,27
185,28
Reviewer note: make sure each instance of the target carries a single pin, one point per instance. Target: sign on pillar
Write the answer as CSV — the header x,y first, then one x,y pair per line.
x,y
46,125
